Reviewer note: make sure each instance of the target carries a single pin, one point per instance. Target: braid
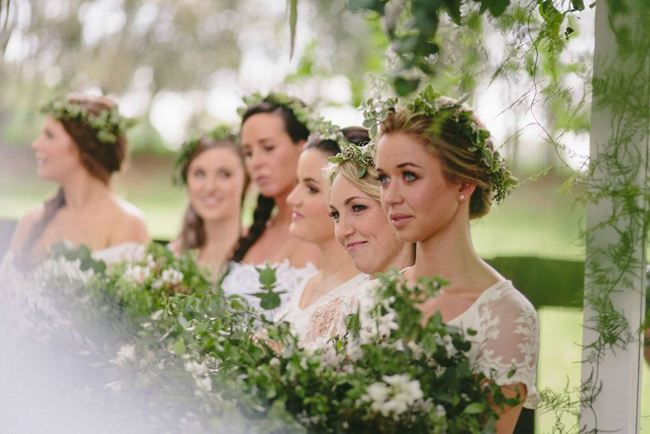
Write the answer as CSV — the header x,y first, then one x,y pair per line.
x,y
260,217
51,207
193,232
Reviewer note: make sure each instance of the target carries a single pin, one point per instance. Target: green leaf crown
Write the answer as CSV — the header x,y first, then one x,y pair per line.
x,y
361,156
188,148
301,111
439,109
108,125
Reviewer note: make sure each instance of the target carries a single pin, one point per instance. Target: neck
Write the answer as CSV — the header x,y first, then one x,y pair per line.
x,y
220,238
81,189
449,254
284,209
335,262
402,260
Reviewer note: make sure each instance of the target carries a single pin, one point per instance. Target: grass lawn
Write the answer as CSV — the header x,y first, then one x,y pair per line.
x,y
535,220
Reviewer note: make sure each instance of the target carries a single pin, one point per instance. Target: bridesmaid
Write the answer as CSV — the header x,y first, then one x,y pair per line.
x,y
312,224
438,170
211,166
82,143
273,132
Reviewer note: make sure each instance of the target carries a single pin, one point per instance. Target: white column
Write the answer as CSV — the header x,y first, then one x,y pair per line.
x,y
617,406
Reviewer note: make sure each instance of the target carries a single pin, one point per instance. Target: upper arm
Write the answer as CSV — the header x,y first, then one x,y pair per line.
x,y
24,227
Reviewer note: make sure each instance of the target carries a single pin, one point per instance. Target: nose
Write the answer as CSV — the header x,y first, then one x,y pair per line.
x,y
256,160
36,144
294,197
391,195
344,228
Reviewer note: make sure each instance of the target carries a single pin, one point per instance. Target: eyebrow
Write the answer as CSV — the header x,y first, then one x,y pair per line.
x,y
399,166
350,199
311,179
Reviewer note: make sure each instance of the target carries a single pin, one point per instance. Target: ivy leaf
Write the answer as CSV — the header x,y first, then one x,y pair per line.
x,y
179,347
578,5
475,408
496,7
404,86
293,20
362,171
267,275
268,300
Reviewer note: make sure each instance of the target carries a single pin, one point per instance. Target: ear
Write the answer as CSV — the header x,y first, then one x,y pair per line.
x,y
466,189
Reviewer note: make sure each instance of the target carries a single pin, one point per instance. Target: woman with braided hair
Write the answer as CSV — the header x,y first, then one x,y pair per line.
x,y
274,129
82,143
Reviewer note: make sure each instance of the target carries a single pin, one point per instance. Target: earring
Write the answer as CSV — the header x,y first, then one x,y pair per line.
x,y
462,197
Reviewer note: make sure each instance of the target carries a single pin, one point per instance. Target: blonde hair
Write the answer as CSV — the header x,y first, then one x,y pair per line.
x,y
368,183
443,140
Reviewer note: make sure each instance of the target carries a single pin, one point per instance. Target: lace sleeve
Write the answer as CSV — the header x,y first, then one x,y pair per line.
x,y
509,341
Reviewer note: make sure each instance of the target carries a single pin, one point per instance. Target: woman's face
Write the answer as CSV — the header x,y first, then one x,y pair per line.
x,y
270,155
415,194
215,182
56,152
361,226
310,220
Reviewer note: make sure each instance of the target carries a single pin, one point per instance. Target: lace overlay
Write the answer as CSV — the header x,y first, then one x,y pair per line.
x,y
300,318
242,279
506,323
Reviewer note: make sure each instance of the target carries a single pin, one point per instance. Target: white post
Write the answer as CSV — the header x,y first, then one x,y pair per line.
x,y
617,405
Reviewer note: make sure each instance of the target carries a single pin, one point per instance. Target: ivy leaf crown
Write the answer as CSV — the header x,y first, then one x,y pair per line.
x,y
361,156
440,109
188,148
108,125
302,112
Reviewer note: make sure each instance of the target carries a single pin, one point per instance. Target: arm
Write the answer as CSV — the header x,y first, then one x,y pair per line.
x,y
23,229
509,416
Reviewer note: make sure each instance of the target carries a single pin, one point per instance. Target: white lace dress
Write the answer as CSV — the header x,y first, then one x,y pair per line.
x,y
505,321
300,318
242,279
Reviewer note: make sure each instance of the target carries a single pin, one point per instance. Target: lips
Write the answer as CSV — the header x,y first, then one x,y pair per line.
x,y
355,245
400,220
297,216
211,201
261,180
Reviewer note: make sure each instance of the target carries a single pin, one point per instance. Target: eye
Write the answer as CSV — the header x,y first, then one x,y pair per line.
x,y
313,190
247,153
359,208
383,179
409,176
224,174
198,173
269,148
334,215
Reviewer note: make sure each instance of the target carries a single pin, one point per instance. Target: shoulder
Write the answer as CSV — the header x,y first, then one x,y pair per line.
x,y
130,223
25,226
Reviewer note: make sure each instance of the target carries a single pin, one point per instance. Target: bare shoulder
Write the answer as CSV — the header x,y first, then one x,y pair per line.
x,y
25,226
130,225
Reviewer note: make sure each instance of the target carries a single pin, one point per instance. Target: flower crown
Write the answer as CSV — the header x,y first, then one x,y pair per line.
x,y
108,125
430,104
188,148
362,156
302,112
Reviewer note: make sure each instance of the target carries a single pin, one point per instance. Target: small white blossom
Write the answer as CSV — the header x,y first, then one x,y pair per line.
x,y
274,362
196,369
172,276
204,384
137,273
394,396
125,354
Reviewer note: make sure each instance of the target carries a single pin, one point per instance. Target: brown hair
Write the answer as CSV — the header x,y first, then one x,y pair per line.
x,y
100,159
192,234
297,131
443,140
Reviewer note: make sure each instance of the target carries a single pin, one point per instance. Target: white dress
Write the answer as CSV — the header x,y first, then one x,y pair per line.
x,y
300,318
242,279
505,321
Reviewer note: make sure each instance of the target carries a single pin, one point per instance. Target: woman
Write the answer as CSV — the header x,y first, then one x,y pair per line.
x,y
438,170
81,145
212,167
311,223
361,227
274,130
